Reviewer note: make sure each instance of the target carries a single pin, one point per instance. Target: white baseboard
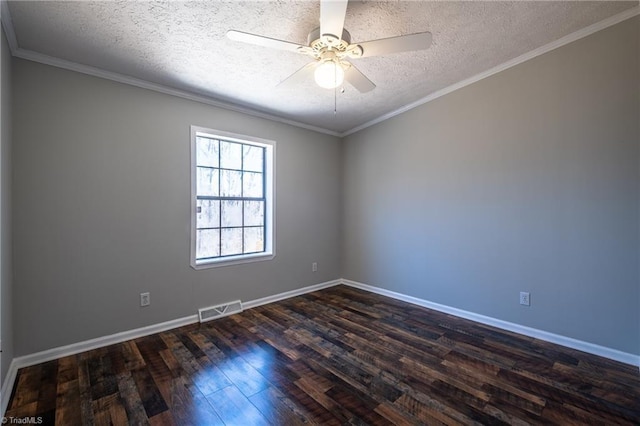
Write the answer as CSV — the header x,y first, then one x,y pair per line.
x,y
87,345
288,294
591,348
99,342
7,387
75,348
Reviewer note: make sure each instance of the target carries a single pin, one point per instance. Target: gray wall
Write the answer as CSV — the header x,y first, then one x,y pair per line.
x,y
101,208
6,274
525,181
528,180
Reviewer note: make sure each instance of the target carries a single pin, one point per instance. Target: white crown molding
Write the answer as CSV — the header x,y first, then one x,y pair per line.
x,y
132,81
18,52
570,38
569,342
121,78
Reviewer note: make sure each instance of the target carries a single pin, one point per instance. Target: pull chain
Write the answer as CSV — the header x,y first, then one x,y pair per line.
x,y
335,89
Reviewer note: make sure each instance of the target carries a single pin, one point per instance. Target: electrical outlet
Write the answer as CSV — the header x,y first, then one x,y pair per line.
x,y
145,299
314,267
524,298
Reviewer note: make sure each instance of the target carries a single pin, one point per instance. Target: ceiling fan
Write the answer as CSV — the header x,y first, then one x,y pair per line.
x,y
330,46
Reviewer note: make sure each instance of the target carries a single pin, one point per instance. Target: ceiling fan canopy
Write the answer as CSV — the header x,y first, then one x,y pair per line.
x,y
330,46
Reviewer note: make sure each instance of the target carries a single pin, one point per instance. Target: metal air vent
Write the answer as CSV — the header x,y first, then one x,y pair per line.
x,y
219,311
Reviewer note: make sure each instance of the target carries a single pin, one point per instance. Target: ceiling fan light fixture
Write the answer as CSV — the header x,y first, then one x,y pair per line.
x,y
330,47
329,74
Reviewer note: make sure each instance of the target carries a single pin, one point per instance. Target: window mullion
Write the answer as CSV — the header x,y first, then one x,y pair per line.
x,y
242,195
220,202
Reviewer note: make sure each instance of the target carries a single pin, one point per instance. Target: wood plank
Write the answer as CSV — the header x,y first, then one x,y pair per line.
x,y
235,409
335,356
399,416
48,389
429,411
150,396
131,400
342,414
84,386
27,387
203,373
133,359
163,419
245,378
67,369
357,402
68,403
277,408
108,410
24,410
149,349
101,378
190,407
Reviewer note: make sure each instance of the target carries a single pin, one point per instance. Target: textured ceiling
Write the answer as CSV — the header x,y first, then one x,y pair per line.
x,y
182,45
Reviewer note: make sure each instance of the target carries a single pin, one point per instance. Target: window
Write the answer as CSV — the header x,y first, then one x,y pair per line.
x,y
232,202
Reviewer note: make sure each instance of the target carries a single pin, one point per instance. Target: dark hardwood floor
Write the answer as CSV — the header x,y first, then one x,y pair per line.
x,y
336,356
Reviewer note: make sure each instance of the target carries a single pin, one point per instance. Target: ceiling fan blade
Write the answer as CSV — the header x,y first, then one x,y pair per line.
x,y
406,43
304,73
358,80
332,14
263,41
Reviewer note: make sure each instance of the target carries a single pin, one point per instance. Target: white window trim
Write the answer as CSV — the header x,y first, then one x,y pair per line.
x,y
270,196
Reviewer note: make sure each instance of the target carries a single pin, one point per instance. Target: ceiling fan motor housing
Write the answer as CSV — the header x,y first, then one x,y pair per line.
x,y
330,47
321,44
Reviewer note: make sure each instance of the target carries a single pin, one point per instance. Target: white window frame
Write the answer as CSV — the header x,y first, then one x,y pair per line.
x,y
269,211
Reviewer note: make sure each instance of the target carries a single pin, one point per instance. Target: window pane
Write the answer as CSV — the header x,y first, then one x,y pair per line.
x,y
207,153
253,240
230,155
253,158
231,241
252,185
207,243
253,213
231,213
207,181
230,183
208,214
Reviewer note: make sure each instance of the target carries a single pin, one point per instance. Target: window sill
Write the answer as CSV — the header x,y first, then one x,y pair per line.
x,y
232,260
